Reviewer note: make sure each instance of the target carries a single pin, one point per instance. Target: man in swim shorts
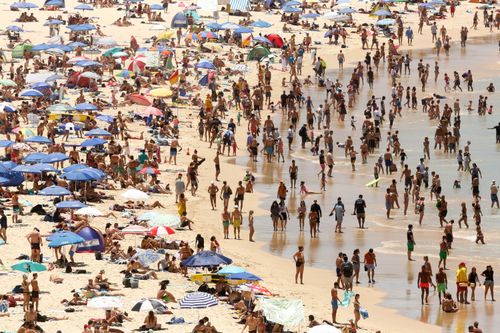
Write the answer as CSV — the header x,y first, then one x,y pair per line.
x,y
335,302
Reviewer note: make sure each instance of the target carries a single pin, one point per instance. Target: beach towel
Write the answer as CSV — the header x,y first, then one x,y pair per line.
x,y
348,295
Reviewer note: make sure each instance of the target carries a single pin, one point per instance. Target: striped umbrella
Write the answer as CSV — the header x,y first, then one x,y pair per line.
x,y
149,305
137,64
198,300
161,231
149,171
134,230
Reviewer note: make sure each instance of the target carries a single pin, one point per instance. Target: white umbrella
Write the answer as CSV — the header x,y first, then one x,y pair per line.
x,y
334,16
106,41
158,27
90,75
134,230
166,220
89,211
324,328
105,302
135,195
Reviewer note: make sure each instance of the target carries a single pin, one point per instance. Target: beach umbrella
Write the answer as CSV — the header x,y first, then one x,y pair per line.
x,y
243,276
70,204
334,16
7,107
87,63
198,300
213,25
166,35
343,2
291,3
206,259
134,230
324,328
149,305
135,195
112,50
205,64
243,30
28,266
98,132
347,10
191,36
160,92
38,139
137,64
149,171
14,28
54,3
105,302
147,257
78,176
93,142
106,42
54,157
437,2
139,99
290,9
213,47
84,6
55,191
89,211
54,22
310,16
229,26
24,5
62,238
386,21
83,168
81,27
150,110
161,231
8,83
26,132
166,220
6,143
35,157
105,118
255,288
60,108
150,215
382,12
120,54
85,107
3,181
261,24
30,93
231,269
208,35
258,53
26,168
9,165
44,167
90,75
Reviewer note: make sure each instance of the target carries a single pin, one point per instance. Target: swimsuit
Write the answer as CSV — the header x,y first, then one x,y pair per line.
x,y
225,223
35,246
237,223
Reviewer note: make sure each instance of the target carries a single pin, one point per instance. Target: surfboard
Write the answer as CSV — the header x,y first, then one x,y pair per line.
x,y
372,182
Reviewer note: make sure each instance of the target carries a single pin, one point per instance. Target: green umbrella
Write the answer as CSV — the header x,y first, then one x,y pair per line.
x,y
7,83
109,52
258,53
28,266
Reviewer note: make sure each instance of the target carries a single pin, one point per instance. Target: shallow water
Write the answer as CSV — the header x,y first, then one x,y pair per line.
x,y
394,274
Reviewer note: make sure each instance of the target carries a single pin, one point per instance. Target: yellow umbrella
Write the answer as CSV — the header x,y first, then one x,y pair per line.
x,y
213,47
166,35
161,92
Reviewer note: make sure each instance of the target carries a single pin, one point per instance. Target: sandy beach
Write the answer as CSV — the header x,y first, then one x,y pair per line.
x,y
270,257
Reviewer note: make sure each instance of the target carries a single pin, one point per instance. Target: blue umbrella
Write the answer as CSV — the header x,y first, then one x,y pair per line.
x,y
291,3
426,5
339,2
62,238
106,118
53,22
14,28
386,21
28,266
35,157
87,63
54,191
6,143
38,139
156,6
214,25
84,6
86,107
243,30
26,168
262,40
347,10
146,258
44,167
30,93
3,181
229,25
290,9
79,176
70,204
75,167
54,157
24,5
244,276
77,44
204,63
7,107
382,12
146,216
93,142
55,3
310,16
40,86
98,132
95,173
9,165
206,259
231,269
81,27
437,2
261,24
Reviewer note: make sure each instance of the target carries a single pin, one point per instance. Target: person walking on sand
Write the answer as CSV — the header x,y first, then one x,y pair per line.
x,y
298,257
251,229
357,310
370,264
410,241
212,191
35,240
335,301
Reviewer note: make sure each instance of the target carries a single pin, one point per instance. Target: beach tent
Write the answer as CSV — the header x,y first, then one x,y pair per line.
x,y
258,53
76,80
379,6
276,40
208,5
179,21
94,242
240,6
19,50
286,312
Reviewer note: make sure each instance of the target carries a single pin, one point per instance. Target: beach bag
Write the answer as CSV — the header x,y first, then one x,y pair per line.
x,y
17,289
126,282
134,283
98,256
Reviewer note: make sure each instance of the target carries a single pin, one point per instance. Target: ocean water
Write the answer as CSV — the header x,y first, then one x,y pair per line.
x,y
394,274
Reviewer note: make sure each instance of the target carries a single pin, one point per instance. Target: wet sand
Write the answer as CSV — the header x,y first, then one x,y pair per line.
x,y
394,274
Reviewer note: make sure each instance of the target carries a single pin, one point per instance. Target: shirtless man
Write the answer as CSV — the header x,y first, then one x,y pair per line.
x,y
174,147
423,282
236,219
35,292
335,302
226,217
293,170
35,240
212,190
251,322
240,195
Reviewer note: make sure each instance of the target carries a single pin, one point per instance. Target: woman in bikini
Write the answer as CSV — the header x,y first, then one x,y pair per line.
x,y
298,257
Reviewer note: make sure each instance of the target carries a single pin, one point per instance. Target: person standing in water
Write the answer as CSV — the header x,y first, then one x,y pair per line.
x,y
298,257
410,241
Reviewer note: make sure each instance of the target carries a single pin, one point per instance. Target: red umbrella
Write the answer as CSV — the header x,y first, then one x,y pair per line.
x,y
137,64
276,40
139,99
161,231
149,171
150,110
